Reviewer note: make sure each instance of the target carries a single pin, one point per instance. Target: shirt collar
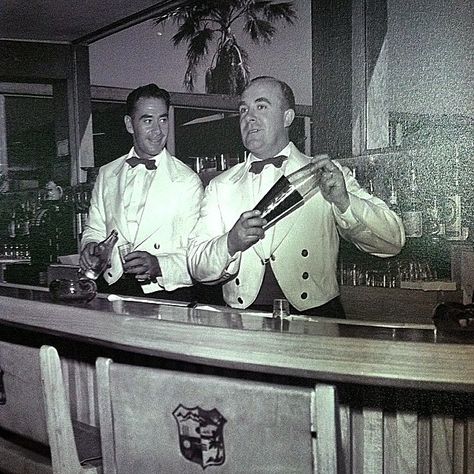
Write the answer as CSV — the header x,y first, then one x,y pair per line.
x,y
285,151
157,158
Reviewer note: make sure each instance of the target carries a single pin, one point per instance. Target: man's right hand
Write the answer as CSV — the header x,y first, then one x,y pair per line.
x,y
246,231
89,256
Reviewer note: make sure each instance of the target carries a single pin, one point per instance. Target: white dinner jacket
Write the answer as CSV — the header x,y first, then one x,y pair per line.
x,y
170,212
305,242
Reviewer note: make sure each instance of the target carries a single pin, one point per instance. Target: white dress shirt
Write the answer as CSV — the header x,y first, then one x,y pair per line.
x,y
138,182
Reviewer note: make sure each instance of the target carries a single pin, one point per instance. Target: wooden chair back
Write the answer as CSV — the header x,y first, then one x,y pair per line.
x,y
34,407
74,445
154,420
21,397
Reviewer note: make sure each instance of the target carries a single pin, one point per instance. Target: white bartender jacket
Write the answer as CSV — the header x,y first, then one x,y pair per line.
x,y
305,243
170,212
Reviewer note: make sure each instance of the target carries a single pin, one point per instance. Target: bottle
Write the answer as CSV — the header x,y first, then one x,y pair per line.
x,y
12,225
452,206
23,221
412,214
393,199
103,253
431,221
288,193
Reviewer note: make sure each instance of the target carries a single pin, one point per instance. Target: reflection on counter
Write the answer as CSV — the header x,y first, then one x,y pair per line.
x,y
224,317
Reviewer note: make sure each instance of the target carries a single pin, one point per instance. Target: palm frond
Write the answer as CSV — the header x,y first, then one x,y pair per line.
x,y
198,46
198,24
188,29
176,16
283,11
259,30
189,76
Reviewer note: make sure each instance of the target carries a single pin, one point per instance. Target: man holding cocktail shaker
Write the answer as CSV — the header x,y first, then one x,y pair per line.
x,y
296,258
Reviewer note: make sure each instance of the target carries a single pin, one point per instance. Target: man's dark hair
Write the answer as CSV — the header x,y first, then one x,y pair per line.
x,y
287,92
146,92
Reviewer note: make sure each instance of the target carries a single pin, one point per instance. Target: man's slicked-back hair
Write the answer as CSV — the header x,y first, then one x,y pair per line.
x,y
146,92
286,90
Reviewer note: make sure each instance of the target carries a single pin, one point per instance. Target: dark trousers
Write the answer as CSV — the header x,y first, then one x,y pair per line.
x,y
331,309
127,285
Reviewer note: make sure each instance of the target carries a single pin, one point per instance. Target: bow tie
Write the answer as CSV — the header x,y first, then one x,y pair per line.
x,y
257,166
134,161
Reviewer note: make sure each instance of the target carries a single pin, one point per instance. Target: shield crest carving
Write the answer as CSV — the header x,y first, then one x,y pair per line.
x,y
201,435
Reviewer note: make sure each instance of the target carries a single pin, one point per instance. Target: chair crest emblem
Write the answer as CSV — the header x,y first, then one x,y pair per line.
x,y
201,435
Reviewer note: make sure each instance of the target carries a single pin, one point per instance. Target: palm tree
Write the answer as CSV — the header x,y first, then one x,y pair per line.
x,y
208,21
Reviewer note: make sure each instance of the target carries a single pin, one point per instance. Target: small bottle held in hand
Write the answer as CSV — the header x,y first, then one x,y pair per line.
x,y
288,193
103,253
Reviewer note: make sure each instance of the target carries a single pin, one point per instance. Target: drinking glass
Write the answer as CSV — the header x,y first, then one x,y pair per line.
x,y
281,308
125,249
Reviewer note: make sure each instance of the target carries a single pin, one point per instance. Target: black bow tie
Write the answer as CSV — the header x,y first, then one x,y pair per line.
x,y
257,166
149,164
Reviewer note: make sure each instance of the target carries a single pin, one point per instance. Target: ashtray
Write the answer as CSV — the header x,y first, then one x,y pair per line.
x,y
82,289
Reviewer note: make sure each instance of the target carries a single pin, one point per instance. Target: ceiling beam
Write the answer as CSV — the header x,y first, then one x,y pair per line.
x,y
160,8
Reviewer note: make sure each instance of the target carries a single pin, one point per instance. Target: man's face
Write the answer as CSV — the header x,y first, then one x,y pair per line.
x,y
264,121
149,126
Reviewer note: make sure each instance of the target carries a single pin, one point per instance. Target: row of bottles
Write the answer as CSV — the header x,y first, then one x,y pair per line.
x,y
430,205
40,225
434,218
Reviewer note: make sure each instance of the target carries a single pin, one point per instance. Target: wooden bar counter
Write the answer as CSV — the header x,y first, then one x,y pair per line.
x,y
405,391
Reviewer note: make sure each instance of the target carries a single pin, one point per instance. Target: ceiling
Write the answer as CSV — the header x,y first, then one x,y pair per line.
x,y
75,21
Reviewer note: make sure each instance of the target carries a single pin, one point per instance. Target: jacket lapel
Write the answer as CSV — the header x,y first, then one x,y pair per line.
x,y
116,199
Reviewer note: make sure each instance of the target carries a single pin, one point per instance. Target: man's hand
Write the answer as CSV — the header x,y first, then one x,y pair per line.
x,y
332,184
143,265
89,256
246,231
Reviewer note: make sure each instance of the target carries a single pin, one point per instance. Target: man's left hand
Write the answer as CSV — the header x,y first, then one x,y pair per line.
x,y
332,183
143,265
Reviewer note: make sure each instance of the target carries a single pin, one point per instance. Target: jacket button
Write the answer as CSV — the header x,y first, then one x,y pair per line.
x,y
304,252
272,257
240,300
157,246
304,295
305,275
237,281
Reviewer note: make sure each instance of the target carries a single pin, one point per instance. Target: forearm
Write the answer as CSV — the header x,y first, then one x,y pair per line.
x,y
372,226
209,261
95,229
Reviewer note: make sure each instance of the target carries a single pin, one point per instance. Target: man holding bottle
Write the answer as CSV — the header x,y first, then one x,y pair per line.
x,y
296,258
152,199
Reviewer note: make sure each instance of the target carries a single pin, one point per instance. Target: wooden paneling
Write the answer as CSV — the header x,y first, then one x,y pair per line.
x,y
409,432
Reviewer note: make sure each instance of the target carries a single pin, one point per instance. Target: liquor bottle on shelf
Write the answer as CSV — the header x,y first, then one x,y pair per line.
x,y
103,253
23,228
288,193
453,205
12,225
412,215
393,199
431,222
